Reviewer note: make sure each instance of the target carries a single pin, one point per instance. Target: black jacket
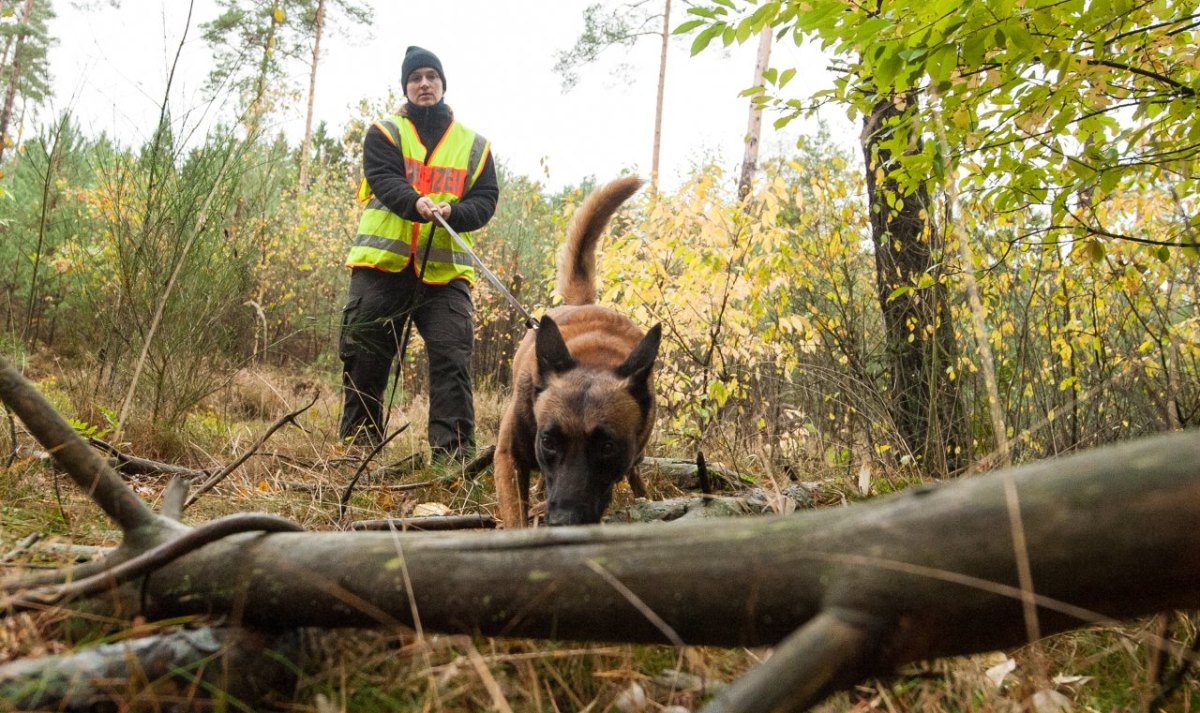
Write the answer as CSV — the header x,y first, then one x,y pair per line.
x,y
383,167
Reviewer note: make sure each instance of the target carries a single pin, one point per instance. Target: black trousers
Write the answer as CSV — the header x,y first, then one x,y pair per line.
x,y
372,327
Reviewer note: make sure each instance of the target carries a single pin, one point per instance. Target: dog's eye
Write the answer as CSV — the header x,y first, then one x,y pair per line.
x,y
608,449
546,440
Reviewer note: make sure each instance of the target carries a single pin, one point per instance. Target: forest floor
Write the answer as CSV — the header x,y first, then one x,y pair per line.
x,y
300,474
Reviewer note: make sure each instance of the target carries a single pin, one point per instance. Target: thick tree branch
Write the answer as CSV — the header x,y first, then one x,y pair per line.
x,y
150,560
102,484
826,654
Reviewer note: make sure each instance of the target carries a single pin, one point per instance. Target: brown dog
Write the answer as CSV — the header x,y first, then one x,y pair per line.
x,y
582,406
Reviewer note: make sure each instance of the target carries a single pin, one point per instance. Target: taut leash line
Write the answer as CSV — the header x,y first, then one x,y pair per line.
x,y
530,322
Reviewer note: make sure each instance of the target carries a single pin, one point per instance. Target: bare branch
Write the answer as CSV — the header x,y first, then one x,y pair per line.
x,y
101,483
150,560
133,465
224,472
362,468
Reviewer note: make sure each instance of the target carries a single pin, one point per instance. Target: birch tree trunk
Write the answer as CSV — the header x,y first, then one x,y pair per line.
x,y
658,104
754,125
312,90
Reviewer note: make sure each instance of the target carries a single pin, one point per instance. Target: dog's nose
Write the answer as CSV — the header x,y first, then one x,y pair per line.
x,y
557,517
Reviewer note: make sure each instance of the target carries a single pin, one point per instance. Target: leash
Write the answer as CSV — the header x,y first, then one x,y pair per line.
x,y
530,322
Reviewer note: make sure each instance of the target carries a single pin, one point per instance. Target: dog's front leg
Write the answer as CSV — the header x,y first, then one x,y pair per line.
x,y
635,482
508,490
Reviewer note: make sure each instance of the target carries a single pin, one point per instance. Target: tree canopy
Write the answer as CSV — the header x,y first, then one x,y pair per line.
x,y
1045,104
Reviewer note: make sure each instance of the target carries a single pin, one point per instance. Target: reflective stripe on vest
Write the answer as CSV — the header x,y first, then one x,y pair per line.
x,y
386,241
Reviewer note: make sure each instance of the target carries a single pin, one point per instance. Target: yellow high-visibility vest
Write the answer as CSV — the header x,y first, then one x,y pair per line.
x,y
385,241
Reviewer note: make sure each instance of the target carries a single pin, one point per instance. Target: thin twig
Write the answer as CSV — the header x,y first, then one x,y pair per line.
x,y
62,511
1170,684
133,465
362,468
224,472
429,523
499,701
25,543
58,576
652,616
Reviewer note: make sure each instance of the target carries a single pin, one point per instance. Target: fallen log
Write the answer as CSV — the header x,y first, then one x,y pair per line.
x,y
173,671
754,501
847,592
428,523
65,551
685,474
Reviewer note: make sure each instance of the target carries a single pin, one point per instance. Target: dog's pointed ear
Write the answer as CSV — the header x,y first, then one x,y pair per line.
x,y
640,361
552,354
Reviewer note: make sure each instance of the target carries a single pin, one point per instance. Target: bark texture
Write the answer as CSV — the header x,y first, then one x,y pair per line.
x,y
178,671
924,402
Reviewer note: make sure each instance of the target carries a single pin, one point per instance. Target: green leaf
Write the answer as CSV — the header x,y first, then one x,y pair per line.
x,y
764,14
941,63
688,26
743,31
976,46
706,36
870,30
1019,38
887,69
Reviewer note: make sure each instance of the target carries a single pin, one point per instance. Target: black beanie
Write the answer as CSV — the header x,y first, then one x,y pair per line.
x,y
416,58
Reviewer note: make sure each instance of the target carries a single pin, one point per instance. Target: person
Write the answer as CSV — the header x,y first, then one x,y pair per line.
x,y
404,265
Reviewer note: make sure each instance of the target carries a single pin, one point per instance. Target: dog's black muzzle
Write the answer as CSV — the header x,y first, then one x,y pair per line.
x,y
575,498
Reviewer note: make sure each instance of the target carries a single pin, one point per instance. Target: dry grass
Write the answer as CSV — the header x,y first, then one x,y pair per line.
x,y
300,474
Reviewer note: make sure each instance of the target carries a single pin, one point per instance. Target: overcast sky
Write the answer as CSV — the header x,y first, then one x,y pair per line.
x,y
110,67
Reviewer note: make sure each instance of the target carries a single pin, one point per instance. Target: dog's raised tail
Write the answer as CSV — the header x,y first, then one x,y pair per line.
x,y
577,264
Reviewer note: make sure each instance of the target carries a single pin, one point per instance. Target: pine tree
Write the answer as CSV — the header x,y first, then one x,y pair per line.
x,y
24,70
